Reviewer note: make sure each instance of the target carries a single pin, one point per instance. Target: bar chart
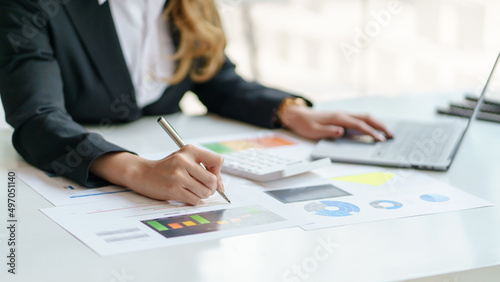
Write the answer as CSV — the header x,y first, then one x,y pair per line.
x,y
218,220
263,142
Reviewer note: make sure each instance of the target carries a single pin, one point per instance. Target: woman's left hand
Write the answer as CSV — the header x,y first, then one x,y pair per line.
x,y
312,124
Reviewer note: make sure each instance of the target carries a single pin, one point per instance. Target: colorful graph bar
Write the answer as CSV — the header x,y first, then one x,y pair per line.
x,y
212,221
199,219
373,178
253,210
243,144
189,223
218,148
175,225
156,225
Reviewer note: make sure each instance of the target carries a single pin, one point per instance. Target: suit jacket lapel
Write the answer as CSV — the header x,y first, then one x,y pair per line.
x,y
96,28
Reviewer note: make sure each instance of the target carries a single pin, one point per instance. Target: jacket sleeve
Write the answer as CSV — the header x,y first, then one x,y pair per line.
x,y
31,88
227,94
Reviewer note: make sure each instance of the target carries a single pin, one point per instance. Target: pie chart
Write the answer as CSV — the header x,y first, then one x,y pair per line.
x,y
332,208
435,198
386,204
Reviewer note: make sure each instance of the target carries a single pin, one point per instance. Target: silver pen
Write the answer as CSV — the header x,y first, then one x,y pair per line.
x,y
180,143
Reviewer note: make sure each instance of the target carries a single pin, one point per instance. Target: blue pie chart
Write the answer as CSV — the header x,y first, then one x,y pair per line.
x,y
434,198
332,208
386,204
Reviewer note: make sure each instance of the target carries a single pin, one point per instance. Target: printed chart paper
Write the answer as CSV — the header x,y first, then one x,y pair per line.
x,y
127,225
62,191
349,194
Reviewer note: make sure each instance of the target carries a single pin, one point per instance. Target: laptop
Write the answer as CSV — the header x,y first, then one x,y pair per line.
x,y
416,144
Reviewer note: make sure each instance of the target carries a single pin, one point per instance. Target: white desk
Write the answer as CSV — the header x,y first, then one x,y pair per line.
x,y
441,244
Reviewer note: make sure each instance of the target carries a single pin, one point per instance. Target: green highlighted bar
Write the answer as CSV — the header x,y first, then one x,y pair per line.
x,y
200,219
218,148
156,225
253,209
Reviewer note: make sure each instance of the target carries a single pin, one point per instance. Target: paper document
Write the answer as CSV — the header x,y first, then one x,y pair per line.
x,y
127,225
348,194
62,191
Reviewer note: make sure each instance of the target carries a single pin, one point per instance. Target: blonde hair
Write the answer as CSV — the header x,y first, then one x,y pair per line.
x,y
200,50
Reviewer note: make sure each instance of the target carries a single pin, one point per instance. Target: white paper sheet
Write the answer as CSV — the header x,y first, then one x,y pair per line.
x,y
62,191
376,194
126,225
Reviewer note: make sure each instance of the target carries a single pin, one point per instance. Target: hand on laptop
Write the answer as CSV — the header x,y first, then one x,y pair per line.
x,y
313,124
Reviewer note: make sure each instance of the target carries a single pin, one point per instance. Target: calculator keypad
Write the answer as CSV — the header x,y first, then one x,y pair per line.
x,y
258,164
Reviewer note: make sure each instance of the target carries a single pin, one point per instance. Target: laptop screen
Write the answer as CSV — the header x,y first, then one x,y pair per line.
x,y
490,88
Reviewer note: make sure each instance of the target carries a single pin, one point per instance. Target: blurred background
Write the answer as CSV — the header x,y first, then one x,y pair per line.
x,y
335,49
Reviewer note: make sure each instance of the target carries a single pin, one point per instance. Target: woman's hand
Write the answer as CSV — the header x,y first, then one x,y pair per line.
x,y
177,177
313,124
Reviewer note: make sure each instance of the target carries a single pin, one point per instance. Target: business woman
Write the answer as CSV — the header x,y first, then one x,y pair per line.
x,y
67,62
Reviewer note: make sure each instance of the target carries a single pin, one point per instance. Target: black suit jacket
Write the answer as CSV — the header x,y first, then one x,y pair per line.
x,y
61,64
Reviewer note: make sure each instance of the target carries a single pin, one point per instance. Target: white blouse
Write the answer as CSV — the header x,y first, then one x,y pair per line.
x,y
146,45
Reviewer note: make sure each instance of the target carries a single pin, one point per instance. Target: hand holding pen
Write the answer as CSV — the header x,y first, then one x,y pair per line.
x,y
180,143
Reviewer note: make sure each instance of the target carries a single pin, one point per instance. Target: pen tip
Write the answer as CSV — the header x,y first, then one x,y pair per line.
x,y
159,119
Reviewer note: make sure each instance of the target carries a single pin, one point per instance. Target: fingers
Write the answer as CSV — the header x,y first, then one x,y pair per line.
x,y
212,162
354,123
188,197
198,189
179,176
199,181
220,184
209,159
315,125
375,124
326,131
183,187
202,176
350,121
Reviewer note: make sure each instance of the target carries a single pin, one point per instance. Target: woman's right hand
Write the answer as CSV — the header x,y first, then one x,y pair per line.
x,y
179,176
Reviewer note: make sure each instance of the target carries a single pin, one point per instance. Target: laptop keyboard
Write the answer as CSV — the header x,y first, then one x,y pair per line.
x,y
415,142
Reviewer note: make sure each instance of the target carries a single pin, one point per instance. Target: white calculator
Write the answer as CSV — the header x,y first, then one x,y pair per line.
x,y
259,165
